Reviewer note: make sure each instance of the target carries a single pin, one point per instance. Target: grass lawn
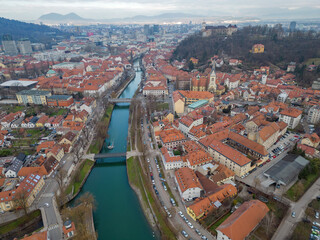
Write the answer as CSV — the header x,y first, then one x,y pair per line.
x,y
217,224
302,231
134,173
85,168
96,145
62,111
300,187
315,204
18,222
162,106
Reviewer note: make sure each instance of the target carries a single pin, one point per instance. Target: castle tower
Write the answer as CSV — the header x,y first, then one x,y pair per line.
x,y
213,79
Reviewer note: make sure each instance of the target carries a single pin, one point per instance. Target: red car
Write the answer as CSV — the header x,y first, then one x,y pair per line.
x,y
268,160
274,156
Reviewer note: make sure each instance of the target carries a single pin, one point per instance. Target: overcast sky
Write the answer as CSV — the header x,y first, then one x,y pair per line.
x,y
104,9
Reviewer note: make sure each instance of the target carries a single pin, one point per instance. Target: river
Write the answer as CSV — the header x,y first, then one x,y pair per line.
x,y
118,215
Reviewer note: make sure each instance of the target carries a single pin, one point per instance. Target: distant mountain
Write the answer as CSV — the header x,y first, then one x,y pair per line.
x,y
53,18
61,17
35,32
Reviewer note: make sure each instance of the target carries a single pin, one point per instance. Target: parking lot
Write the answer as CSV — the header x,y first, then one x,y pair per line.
x,y
278,151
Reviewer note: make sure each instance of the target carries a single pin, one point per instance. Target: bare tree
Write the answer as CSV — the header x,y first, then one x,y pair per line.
x,y
22,201
61,174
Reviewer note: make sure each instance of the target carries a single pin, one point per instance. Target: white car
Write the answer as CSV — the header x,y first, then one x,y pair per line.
x,y
190,225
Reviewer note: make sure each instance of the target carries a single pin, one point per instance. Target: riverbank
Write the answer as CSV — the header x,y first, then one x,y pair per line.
x,y
138,180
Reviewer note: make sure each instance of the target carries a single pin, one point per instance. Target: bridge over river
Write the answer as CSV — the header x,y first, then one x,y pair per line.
x,y
119,100
94,157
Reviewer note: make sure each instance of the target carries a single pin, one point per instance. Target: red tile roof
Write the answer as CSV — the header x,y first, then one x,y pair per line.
x,y
240,223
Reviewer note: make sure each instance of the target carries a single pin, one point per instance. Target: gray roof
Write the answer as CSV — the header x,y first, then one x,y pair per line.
x,y
15,166
59,97
287,169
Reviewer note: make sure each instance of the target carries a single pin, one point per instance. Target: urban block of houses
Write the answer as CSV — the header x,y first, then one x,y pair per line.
x,y
169,160
231,158
172,138
205,206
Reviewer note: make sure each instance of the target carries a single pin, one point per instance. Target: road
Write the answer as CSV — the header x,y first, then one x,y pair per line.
x,y
164,196
288,223
250,179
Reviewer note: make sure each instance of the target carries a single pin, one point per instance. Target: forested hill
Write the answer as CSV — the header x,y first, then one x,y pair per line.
x,y
280,47
35,32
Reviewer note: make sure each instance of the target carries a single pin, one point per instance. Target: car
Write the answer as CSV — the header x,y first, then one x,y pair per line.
x,y
172,202
165,208
316,224
46,204
198,232
204,237
190,225
268,160
274,156
181,214
156,192
317,215
184,233
160,175
148,160
293,214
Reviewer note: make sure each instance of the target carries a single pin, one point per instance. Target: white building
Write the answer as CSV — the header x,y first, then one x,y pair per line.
x,y
282,97
314,115
188,183
231,83
291,116
169,160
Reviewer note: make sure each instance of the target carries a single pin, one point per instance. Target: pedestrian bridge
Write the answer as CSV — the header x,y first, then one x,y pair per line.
x,y
119,100
109,155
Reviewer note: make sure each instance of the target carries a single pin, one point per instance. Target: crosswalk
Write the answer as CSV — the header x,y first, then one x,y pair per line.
x,y
54,226
47,195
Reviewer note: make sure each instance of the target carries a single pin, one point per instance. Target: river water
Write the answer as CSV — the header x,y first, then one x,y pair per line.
x,y
118,215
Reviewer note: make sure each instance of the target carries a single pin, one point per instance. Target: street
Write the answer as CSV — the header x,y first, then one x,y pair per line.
x,y
288,222
164,196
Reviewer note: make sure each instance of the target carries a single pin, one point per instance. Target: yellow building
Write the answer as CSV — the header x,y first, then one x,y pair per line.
x,y
170,117
33,97
205,206
257,48
24,194
229,157
178,103
312,140
57,152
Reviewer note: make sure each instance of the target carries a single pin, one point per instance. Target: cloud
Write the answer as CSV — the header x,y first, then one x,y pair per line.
x,y
32,9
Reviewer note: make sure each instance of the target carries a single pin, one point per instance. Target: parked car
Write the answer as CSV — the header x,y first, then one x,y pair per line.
x,y
184,233
293,214
317,215
190,225
198,232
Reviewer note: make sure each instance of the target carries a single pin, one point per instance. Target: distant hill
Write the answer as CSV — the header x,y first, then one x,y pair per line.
x,y
35,32
61,17
53,18
280,47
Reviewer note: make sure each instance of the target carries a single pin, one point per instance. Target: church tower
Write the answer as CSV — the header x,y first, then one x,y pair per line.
x,y
213,79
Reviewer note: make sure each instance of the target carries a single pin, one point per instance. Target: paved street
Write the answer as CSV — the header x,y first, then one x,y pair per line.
x,y
164,196
288,223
